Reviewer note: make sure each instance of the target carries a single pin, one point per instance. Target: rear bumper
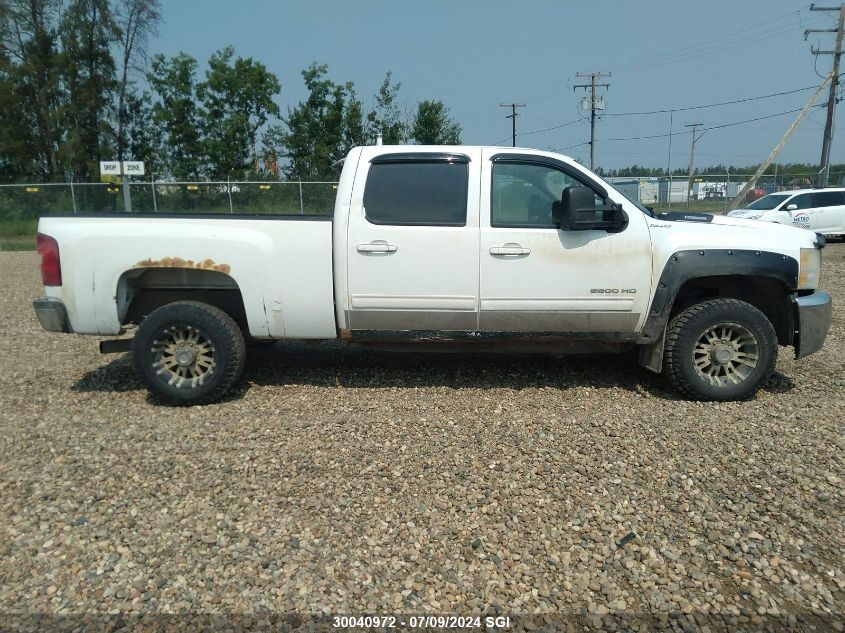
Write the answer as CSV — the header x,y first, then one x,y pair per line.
x,y
814,312
52,315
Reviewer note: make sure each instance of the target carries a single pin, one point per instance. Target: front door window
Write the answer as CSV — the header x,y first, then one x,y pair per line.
x,y
526,195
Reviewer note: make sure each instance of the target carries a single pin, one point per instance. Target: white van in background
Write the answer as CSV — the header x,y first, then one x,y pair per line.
x,y
819,210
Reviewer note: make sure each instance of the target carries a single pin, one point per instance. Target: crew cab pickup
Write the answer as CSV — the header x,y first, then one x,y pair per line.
x,y
496,248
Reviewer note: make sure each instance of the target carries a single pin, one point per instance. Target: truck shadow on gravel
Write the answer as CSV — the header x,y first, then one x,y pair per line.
x,y
332,364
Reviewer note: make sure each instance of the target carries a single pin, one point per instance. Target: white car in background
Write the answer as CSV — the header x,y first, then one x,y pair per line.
x,y
819,210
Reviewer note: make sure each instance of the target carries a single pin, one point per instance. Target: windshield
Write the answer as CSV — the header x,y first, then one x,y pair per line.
x,y
768,202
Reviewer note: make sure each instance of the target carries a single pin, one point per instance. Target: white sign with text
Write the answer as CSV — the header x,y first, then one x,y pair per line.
x,y
110,167
130,168
133,168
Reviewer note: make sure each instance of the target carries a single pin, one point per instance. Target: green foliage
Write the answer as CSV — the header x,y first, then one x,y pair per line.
x,y
59,96
432,125
321,130
137,21
69,98
209,128
141,138
386,117
18,235
17,129
30,89
176,112
87,32
238,99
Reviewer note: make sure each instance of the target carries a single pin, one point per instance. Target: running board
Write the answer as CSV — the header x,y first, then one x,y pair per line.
x,y
115,345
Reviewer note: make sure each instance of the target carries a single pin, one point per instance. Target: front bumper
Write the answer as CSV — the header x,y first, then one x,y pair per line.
x,y
814,313
52,315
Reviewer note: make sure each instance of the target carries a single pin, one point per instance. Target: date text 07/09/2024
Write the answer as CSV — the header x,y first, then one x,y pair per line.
x,y
423,622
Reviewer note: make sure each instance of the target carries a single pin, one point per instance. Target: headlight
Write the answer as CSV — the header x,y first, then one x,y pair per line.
x,y
754,217
809,269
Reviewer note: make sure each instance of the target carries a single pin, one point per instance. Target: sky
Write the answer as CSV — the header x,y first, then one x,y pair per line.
x,y
475,55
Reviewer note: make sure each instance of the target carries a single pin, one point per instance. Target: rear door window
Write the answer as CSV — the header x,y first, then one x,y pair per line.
x,y
404,191
829,198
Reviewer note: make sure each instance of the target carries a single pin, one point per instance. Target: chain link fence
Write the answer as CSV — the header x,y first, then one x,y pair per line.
x,y
28,201
22,204
712,192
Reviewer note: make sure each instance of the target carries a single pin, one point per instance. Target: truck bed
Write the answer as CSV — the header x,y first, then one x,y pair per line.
x,y
282,266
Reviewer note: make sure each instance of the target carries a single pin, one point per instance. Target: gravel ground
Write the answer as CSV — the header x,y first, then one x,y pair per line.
x,y
345,481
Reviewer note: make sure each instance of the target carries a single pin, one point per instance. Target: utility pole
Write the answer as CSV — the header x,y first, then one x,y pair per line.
x,y
592,87
692,158
824,173
740,197
512,116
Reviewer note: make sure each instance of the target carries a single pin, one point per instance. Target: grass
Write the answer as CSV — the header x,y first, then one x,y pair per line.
x,y
18,235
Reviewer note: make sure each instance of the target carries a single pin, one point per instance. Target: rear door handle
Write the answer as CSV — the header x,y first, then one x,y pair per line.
x,y
510,249
377,246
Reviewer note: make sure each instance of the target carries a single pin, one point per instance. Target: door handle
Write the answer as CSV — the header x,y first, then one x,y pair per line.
x,y
377,246
510,249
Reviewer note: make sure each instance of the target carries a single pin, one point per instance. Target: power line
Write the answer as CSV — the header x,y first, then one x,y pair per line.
x,y
760,118
689,53
667,56
663,111
707,42
711,105
703,129
684,109
556,127
560,149
548,129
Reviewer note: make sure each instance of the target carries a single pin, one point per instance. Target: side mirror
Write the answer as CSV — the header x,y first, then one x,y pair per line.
x,y
792,207
579,212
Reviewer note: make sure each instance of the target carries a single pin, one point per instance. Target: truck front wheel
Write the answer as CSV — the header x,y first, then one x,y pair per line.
x,y
188,352
721,349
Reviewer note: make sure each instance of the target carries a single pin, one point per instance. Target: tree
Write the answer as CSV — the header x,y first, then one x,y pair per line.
x,y
432,125
142,139
354,126
88,77
386,117
177,113
319,131
238,97
30,87
16,139
137,21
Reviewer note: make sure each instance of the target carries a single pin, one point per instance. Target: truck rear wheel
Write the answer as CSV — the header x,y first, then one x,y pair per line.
x,y
188,352
722,349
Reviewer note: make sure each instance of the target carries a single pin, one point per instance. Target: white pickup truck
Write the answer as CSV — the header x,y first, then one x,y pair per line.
x,y
496,248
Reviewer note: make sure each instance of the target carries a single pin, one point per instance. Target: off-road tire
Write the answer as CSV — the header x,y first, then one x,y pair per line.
x,y
685,337
220,340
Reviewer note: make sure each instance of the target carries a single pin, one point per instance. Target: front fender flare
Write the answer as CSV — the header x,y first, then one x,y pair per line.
x,y
687,265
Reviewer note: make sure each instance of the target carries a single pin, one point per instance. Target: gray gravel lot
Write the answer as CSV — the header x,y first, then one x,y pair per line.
x,y
345,481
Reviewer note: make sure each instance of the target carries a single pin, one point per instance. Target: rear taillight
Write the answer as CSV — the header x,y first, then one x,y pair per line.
x,y
51,266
